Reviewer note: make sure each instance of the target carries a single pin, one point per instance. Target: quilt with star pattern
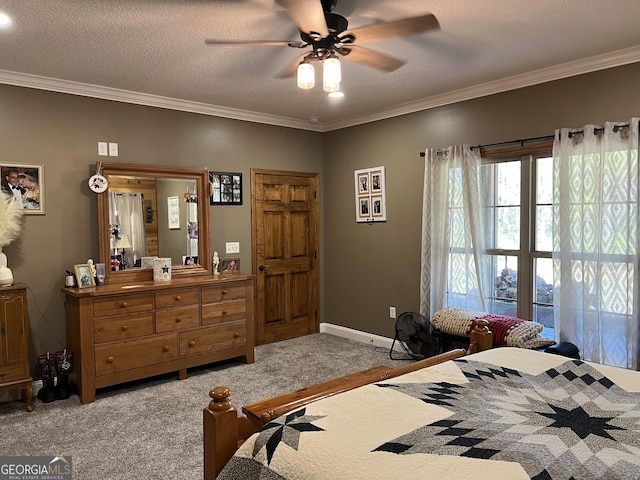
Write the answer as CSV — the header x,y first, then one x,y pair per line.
x,y
505,413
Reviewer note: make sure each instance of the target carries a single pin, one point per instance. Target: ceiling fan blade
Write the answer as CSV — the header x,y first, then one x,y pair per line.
x,y
268,43
292,69
373,59
308,15
395,28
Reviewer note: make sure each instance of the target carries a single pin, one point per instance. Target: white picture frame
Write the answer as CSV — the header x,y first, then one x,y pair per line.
x,y
173,212
370,195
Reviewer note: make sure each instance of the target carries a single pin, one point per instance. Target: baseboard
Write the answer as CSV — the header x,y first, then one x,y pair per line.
x,y
359,336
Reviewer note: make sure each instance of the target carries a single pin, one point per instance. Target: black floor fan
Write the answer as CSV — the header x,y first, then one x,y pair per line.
x,y
413,333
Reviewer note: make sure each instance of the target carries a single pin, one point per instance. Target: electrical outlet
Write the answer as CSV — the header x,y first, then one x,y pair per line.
x,y
392,312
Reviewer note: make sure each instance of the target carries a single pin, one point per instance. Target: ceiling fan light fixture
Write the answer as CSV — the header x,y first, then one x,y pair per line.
x,y
5,20
306,75
331,74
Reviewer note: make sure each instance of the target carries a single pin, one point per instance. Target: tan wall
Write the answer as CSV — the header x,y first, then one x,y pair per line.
x,y
371,267
364,268
61,132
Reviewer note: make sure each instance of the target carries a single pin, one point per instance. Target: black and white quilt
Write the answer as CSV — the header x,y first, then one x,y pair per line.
x,y
505,413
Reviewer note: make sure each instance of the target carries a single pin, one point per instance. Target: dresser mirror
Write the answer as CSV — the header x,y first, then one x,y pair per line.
x,y
152,211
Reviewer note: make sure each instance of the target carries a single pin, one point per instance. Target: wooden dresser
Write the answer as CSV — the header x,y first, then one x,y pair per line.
x,y
119,333
14,342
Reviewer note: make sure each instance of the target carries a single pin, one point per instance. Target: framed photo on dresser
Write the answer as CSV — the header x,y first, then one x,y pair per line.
x,y
84,275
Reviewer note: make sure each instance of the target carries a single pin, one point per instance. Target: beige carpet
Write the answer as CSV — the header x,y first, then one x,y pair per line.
x,y
152,429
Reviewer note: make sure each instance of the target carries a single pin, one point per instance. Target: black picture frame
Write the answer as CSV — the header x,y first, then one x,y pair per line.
x,y
226,188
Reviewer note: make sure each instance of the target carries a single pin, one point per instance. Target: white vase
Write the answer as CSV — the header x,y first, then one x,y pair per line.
x,y
6,277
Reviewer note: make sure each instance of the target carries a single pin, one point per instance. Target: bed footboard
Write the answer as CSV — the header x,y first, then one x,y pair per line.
x,y
225,430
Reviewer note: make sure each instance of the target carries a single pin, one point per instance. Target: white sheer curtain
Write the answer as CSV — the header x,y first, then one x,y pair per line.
x,y
452,269
596,243
127,212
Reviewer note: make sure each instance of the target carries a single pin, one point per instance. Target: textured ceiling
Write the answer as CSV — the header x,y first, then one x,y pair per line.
x,y
153,52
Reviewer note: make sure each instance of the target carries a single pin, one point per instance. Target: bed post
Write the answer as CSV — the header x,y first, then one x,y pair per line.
x,y
220,421
481,337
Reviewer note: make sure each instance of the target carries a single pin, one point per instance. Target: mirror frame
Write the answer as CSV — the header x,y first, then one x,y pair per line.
x,y
134,275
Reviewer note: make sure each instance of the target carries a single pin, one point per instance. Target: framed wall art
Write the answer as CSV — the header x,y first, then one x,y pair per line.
x,y
25,183
173,210
371,195
226,188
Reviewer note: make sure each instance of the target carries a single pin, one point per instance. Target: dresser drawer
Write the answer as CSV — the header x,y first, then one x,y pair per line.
x,y
122,304
216,313
177,298
118,357
177,319
13,373
221,293
122,328
213,339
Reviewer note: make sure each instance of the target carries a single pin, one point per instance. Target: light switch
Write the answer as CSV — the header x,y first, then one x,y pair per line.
x,y
233,247
102,149
113,149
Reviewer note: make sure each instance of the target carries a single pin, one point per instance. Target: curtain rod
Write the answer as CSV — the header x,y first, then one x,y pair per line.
x,y
616,129
521,141
597,130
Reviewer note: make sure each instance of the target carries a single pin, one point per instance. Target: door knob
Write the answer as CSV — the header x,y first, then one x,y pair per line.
x,y
261,268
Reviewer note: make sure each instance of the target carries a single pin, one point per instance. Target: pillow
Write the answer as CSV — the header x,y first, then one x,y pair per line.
x,y
454,320
507,331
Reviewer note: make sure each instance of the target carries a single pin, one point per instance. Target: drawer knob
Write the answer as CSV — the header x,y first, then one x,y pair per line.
x,y
224,312
178,297
123,305
225,291
165,348
192,343
236,335
110,359
178,319
125,328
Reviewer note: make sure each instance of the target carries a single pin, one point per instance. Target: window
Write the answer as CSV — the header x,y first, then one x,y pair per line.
x,y
517,200
518,214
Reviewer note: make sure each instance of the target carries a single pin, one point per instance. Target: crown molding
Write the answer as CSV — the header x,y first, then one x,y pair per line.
x,y
578,67
558,72
126,96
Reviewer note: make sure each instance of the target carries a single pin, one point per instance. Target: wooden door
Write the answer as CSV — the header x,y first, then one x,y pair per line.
x,y
284,234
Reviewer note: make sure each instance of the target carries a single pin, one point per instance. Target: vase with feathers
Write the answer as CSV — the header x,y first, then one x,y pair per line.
x,y
10,224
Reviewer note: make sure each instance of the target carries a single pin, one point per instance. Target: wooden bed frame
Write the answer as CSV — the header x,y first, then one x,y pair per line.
x,y
225,430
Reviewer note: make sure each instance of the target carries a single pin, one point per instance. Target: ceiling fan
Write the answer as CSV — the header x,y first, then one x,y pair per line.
x,y
326,34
